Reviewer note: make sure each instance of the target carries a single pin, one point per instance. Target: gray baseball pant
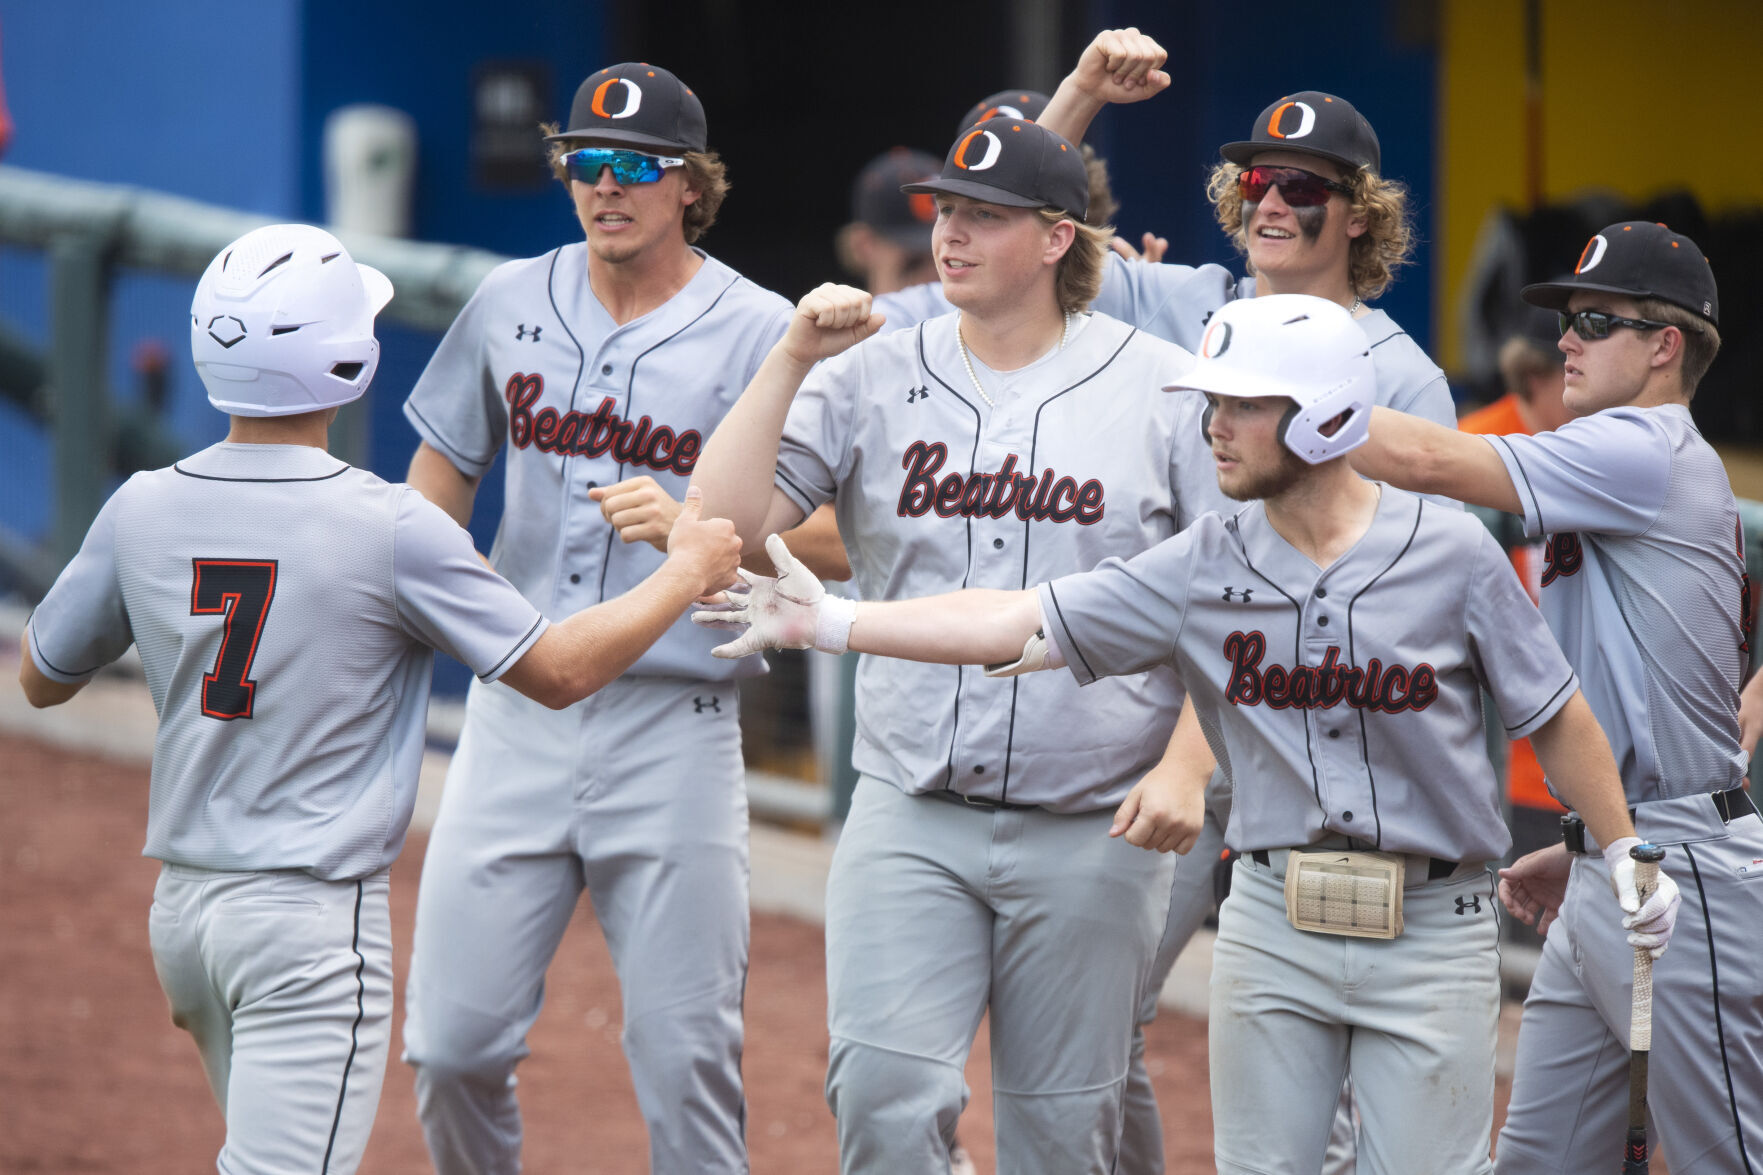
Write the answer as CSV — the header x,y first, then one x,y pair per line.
x,y
1412,1019
285,982
636,795
937,911
1569,1107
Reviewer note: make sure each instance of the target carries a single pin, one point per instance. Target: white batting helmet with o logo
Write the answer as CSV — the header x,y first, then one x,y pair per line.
x,y
1308,350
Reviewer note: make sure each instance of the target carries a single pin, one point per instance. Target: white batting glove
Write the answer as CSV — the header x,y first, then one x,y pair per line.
x,y
792,611
1649,924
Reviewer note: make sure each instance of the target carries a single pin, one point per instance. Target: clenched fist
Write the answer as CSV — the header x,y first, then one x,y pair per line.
x,y
829,319
639,509
706,548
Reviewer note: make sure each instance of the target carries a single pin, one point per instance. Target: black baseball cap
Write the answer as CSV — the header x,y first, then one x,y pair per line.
x,y
637,105
1016,163
878,201
1638,259
1026,104
1316,124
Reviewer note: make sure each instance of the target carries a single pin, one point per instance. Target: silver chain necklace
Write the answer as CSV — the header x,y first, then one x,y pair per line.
x,y
967,361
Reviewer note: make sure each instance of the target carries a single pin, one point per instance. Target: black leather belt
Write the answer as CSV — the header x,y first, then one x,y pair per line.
x,y
1731,804
1437,868
986,802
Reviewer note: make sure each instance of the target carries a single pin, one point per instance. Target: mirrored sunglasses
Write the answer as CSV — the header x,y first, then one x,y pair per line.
x,y
1297,187
628,167
1595,324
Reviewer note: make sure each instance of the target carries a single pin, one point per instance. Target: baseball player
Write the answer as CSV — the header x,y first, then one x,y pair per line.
x,y
1643,585
1303,198
1334,636
886,245
286,607
1014,439
598,369
1298,235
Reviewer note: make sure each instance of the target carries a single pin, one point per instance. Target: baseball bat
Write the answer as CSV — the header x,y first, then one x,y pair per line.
x,y
1640,1021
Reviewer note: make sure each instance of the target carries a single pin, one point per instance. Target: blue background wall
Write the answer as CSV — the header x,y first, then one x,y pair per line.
x,y
225,102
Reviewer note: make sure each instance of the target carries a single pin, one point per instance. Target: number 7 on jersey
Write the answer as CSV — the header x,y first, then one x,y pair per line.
x,y
240,590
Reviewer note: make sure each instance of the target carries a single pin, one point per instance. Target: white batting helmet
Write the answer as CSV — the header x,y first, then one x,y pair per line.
x,y
1304,348
282,323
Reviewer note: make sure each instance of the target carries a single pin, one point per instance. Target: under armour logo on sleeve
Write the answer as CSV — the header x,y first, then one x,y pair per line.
x,y
521,332
1231,594
914,395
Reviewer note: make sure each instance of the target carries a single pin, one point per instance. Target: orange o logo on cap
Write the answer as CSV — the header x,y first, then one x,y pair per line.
x,y
1306,120
1591,254
994,146
1216,340
633,98
923,205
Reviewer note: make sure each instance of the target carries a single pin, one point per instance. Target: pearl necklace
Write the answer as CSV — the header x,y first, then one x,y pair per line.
x,y
967,361
1356,306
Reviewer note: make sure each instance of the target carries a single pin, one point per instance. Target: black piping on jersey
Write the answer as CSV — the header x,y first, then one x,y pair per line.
x,y
354,1029
1297,649
972,460
1501,441
629,391
802,496
485,676
1738,1126
1027,531
454,455
1066,631
211,477
1532,716
37,655
1365,735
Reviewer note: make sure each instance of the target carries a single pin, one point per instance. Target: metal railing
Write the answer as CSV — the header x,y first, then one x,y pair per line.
x,y
88,231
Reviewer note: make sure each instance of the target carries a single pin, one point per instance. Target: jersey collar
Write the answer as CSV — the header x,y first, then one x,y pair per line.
x,y
1289,571
236,462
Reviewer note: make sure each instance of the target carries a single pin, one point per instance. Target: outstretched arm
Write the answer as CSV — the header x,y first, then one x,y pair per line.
x,y
974,627
1120,65
574,657
736,469
1415,454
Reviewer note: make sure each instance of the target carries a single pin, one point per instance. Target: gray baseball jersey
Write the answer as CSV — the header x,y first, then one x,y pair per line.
x,y
1382,656
285,606
1175,302
536,361
1083,458
1643,538
1644,584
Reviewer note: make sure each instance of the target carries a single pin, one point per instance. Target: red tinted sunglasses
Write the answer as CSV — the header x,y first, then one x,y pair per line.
x,y
1297,187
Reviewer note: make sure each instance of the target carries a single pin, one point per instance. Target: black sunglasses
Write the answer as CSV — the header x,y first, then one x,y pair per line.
x,y
1595,324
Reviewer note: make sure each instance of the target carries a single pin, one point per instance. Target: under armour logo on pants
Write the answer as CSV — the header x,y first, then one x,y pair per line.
x,y
699,705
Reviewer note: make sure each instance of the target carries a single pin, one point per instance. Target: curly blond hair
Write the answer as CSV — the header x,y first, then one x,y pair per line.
x,y
1385,246
1077,279
706,174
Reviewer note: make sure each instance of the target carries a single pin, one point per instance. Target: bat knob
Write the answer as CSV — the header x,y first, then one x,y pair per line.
x,y
1651,854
